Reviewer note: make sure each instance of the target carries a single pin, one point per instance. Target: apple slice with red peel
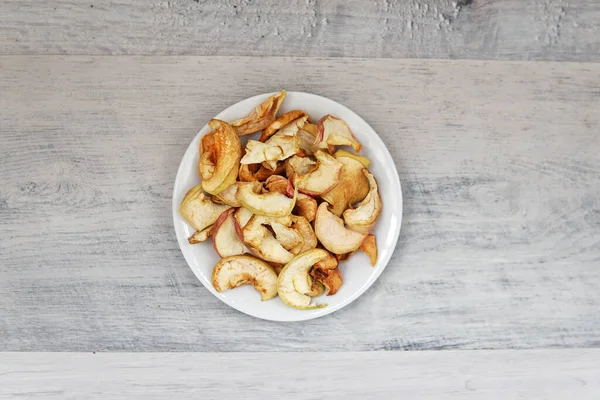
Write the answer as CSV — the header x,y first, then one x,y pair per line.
x,y
289,123
369,247
267,204
297,270
243,215
305,206
261,117
218,166
332,233
334,131
363,218
234,271
199,210
226,235
322,179
200,236
353,186
227,196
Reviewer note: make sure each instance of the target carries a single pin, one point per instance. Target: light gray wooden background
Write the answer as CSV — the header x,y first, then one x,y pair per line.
x,y
498,153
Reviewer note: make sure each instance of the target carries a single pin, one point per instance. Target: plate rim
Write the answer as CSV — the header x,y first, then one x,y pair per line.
x,y
319,312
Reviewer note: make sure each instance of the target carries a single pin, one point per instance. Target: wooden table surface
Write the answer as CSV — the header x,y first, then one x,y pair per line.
x,y
495,279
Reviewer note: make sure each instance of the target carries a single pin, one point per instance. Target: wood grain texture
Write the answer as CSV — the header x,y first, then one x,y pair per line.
x,y
547,374
500,245
474,29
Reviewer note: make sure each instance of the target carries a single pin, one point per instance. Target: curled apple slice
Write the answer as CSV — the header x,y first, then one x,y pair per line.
x,y
298,117
353,186
226,235
271,250
332,233
278,147
231,272
305,207
218,167
298,166
261,116
200,236
261,240
243,215
199,210
268,204
363,218
227,196
369,247
297,270
277,184
288,237
334,131
323,178
327,272
305,230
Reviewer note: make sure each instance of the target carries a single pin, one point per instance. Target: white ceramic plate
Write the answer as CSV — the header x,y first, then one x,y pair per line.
x,y
357,273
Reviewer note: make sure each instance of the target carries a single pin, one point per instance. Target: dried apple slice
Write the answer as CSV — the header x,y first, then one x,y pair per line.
x,y
363,218
297,166
243,215
199,210
305,230
369,247
200,236
234,271
227,196
334,131
261,116
362,159
327,272
332,233
278,147
271,250
288,237
297,270
305,207
262,242
277,184
268,204
226,235
218,167
332,282
296,116
248,172
322,179
353,186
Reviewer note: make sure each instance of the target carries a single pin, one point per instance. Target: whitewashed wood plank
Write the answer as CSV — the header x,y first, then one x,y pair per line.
x,y
546,374
499,162
475,29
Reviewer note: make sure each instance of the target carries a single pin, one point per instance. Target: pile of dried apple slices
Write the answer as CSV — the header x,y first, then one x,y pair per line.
x,y
284,210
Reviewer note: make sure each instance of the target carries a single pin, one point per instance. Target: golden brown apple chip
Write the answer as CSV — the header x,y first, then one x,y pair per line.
x,y
261,116
280,122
